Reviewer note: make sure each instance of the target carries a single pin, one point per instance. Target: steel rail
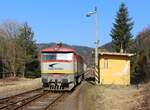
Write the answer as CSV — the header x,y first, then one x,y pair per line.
x,y
9,97
50,100
51,103
29,101
9,101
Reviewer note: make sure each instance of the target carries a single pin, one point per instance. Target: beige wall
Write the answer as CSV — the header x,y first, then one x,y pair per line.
x,y
114,69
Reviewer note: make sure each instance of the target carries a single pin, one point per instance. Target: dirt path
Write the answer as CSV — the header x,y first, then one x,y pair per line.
x,y
78,98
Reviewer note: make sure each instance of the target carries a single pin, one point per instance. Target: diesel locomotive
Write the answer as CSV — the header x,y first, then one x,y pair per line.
x,y
62,68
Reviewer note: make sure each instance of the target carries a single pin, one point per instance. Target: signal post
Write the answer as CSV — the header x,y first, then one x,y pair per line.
x,y
95,13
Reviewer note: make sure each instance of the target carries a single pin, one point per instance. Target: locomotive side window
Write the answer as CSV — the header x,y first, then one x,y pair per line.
x,y
49,57
57,56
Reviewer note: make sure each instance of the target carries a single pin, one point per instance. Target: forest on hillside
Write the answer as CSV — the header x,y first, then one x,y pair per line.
x,y
141,61
18,51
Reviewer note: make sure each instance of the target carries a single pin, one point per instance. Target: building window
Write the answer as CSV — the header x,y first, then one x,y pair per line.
x,y
105,63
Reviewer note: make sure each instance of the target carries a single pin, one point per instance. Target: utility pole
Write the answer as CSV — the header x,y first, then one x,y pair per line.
x,y
97,75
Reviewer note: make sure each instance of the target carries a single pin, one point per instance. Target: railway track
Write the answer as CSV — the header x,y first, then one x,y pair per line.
x,y
44,102
16,99
32,100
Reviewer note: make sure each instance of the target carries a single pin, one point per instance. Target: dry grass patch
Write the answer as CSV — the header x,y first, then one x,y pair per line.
x,y
110,97
144,98
8,88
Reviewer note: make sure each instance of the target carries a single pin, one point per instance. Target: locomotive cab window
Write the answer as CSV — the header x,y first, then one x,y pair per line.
x,y
57,56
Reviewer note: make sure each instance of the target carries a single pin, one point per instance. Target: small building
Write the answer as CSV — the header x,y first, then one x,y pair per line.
x,y
114,68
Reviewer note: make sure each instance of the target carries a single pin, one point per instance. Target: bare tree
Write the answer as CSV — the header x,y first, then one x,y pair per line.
x,y
17,48
8,31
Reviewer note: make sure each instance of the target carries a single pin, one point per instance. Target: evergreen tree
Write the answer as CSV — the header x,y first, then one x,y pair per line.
x,y
121,31
27,47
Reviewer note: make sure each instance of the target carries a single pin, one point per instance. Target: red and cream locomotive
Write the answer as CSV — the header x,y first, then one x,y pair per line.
x,y
61,68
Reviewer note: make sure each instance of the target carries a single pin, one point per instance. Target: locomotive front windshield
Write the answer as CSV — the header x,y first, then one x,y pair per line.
x,y
57,56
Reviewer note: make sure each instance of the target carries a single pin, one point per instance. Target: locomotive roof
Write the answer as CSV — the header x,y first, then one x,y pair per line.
x,y
58,48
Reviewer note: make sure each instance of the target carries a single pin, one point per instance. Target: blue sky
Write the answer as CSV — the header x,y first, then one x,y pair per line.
x,y
65,20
